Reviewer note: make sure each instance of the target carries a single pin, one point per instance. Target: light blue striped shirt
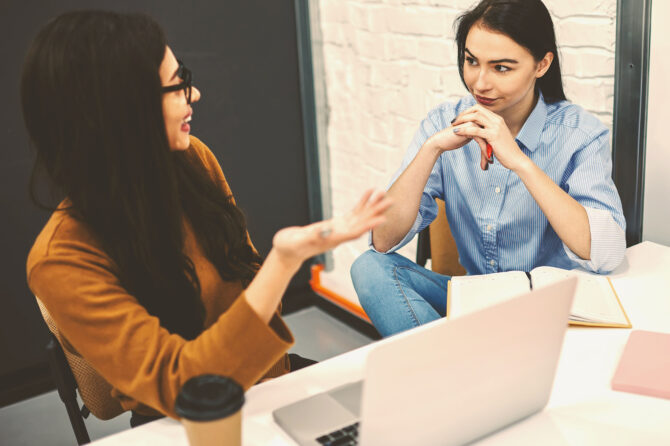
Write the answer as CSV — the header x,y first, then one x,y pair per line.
x,y
495,221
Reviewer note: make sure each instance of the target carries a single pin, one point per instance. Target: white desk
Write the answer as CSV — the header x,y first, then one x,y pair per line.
x,y
583,409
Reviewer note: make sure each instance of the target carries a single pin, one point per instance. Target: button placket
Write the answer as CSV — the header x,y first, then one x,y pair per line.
x,y
493,207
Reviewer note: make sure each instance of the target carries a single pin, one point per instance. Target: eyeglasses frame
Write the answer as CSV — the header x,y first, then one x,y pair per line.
x,y
186,84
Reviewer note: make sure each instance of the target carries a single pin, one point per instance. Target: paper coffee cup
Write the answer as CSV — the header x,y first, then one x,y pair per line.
x,y
209,408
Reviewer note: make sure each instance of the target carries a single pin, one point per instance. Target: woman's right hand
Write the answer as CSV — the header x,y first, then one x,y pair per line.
x,y
298,243
446,139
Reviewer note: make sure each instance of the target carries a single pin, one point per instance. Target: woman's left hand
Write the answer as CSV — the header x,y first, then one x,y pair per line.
x,y
298,243
491,128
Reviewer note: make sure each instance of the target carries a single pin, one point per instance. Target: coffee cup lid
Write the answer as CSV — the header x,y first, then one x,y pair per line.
x,y
208,398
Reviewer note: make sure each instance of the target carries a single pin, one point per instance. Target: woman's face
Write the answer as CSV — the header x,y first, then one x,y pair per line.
x,y
500,73
176,111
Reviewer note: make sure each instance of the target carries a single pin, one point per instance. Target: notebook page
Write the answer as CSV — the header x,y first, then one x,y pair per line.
x,y
472,293
594,299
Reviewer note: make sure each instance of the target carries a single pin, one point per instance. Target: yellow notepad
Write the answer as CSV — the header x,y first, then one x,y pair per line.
x,y
596,302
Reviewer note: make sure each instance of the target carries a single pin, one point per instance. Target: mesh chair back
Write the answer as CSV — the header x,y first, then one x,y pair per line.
x,y
95,391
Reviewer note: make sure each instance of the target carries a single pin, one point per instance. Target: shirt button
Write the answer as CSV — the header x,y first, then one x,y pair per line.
x,y
497,190
488,228
492,263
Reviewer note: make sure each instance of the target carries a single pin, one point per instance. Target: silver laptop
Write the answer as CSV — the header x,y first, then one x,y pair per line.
x,y
445,383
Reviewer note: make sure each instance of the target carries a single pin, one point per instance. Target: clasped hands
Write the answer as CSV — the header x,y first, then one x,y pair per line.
x,y
298,243
483,126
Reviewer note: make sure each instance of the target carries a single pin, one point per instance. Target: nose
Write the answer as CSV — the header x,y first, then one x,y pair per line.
x,y
195,94
482,82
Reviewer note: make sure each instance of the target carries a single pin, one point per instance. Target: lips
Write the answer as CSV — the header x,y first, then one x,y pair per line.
x,y
185,126
484,100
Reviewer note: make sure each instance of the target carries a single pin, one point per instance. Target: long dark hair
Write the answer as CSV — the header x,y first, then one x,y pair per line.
x,y
529,24
92,104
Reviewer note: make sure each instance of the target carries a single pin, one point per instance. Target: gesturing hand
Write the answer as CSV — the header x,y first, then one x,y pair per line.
x,y
486,126
298,243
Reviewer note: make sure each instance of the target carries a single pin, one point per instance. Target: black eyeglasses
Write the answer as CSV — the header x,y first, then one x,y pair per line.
x,y
185,84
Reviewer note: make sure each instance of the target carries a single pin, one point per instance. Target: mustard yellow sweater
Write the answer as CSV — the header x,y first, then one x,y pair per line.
x,y
145,363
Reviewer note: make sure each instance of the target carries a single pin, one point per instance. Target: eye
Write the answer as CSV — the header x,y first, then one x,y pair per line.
x,y
502,68
470,60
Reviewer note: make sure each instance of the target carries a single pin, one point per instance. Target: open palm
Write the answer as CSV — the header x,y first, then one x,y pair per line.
x,y
303,242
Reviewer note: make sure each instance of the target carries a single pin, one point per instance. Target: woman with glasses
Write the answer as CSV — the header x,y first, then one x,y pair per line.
x,y
525,174
146,265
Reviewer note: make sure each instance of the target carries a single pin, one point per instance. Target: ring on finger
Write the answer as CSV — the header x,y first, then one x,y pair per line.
x,y
325,232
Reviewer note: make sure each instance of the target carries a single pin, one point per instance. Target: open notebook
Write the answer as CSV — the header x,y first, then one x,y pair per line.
x,y
596,302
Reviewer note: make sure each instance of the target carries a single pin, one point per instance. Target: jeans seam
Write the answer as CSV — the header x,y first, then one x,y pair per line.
x,y
420,273
409,305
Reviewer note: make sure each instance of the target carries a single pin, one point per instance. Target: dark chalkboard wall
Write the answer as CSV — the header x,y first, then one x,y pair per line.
x,y
244,60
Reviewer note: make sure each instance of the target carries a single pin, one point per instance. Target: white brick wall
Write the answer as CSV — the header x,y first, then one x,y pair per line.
x,y
385,63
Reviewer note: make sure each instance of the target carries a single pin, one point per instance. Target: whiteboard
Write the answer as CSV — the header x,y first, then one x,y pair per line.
x,y
656,217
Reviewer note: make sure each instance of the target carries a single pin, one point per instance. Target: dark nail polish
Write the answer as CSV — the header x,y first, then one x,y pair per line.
x,y
452,121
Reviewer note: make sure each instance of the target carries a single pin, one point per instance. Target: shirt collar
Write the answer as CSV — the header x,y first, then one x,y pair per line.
x,y
531,131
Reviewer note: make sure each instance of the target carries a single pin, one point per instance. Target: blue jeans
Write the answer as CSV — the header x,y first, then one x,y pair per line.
x,y
396,293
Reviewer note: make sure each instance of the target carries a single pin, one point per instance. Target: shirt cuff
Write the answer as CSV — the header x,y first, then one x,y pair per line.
x,y
408,237
608,243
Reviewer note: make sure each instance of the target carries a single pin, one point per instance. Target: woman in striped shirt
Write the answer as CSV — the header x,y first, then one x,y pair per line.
x,y
544,197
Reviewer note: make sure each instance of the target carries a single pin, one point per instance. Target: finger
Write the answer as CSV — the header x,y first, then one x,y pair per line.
x,y
484,145
475,117
367,226
377,210
481,143
481,109
459,119
363,200
378,203
374,223
474,109
470,130
377,196
483,162
367,220
383,202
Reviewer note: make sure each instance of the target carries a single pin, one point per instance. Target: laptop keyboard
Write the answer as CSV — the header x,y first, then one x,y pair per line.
x,y
347,436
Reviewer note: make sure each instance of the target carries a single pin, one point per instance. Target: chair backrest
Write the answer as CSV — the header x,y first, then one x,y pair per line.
x,y
67,389
443,250
94,390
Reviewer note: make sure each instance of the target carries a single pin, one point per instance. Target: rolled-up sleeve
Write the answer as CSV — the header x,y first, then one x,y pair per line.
x,y
590,184
430,125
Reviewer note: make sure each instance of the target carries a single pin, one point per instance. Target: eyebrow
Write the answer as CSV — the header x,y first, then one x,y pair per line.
x,y
496,61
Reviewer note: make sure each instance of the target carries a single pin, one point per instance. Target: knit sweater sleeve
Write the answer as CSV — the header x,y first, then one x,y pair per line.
x,y
128,346
80,287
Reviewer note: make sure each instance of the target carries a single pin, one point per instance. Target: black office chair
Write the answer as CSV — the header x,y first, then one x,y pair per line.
x,y
74,375
423,247
67,389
